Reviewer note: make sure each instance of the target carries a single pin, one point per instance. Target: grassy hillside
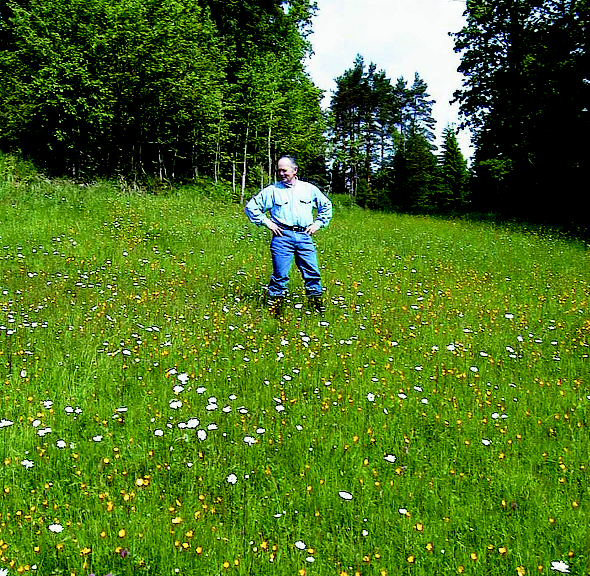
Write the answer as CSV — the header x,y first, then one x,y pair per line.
x,y
156,419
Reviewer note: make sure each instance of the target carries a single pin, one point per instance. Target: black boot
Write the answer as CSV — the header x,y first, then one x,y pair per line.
x,y
275,305
317,304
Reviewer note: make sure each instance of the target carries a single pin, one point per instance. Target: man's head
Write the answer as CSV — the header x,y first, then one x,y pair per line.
x,y
287,169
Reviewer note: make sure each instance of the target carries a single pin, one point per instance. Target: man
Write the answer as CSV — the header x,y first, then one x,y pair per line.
x,y
290,203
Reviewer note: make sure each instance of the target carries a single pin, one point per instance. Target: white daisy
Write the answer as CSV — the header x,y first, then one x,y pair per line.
x,y
560,566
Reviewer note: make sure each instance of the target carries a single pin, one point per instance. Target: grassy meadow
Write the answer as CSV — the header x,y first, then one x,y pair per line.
x,y
157,420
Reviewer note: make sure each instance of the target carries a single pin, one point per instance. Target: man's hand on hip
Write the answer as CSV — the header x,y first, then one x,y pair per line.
x,y
312,229
274,228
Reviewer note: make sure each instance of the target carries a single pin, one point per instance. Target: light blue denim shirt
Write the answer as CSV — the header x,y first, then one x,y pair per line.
x,y
290,205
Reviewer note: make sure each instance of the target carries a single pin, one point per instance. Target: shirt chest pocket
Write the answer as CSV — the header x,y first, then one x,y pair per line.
x,y
281,199
305,199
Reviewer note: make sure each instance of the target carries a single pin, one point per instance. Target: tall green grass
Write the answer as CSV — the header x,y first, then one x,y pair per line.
x,y
433,421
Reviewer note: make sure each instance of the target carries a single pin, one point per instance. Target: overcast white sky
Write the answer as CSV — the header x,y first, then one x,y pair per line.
x,y
401,37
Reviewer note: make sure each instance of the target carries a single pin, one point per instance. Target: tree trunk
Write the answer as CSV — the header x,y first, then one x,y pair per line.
x,y
268,150
243,192
217,153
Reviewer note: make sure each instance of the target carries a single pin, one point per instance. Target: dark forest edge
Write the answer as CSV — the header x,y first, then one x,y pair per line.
x,y
156,95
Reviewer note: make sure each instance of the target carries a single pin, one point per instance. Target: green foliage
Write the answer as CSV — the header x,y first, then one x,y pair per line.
x,y
351,125
416,112
380,137
271,107
415,175
96,87
143,89
453,174
16,172
525,97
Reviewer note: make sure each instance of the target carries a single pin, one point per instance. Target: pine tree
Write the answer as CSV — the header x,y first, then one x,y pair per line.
x,y
417,111
348,119
414,175
363,120
453,173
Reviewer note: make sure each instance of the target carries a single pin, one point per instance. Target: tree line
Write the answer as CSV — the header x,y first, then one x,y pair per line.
x,y
169,89
177,89
381,144
525,96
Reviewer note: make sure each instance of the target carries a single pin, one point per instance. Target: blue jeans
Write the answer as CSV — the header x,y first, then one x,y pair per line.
x,y
283,249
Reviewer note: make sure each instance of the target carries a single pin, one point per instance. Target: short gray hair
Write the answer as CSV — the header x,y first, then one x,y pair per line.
x,y
291,159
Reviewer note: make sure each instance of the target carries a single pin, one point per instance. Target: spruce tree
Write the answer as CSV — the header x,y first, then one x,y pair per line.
x,y
453,173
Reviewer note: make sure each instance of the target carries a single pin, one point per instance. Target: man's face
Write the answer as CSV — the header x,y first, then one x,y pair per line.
x,y
287,171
